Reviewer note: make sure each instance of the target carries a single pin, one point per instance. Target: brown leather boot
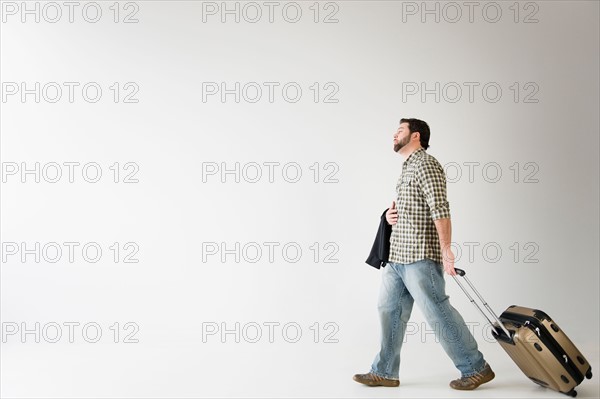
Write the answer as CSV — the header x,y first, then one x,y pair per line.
x,y
472,382
373,380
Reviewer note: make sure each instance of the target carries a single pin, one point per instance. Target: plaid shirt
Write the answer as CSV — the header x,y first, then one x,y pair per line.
x,y
421,200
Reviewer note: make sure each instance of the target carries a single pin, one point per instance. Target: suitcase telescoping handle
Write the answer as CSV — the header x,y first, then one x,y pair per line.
x,y
463,274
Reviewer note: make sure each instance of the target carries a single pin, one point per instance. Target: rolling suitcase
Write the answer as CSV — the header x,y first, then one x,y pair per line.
x,y
536,344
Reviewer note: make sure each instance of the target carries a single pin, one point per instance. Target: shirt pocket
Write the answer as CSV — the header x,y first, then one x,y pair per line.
x,y
406,181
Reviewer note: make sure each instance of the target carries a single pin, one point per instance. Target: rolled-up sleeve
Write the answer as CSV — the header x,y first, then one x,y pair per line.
x,y
433,184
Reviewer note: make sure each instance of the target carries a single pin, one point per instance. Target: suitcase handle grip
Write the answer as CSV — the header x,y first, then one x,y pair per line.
x,y
463,274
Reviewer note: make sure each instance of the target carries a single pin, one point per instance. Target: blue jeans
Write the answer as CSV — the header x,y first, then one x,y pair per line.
x,y
423,282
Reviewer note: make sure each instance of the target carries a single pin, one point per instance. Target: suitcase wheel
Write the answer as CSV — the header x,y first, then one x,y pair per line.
x,y
572,393
588,375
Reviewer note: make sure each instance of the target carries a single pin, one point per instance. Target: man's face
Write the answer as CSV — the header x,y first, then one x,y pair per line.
x,y
401,137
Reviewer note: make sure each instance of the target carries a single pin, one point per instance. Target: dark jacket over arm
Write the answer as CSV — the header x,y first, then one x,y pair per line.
x,y
381,247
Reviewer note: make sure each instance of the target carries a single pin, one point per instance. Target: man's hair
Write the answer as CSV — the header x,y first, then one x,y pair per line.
x,y
417,125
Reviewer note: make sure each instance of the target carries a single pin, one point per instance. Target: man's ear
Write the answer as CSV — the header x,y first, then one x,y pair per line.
x,y
418,135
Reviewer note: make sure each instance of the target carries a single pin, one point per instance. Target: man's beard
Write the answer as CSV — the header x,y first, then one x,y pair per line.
x,y
398,146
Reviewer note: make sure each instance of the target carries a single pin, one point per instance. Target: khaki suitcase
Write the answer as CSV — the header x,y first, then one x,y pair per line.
x,y
541,349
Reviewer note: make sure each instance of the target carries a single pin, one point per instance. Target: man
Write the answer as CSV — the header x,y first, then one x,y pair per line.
x,y
419,253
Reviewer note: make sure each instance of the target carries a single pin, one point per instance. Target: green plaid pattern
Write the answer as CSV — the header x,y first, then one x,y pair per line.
x,y
421,199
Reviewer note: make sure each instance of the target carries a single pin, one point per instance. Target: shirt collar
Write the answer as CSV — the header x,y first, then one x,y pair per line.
x,y
414,155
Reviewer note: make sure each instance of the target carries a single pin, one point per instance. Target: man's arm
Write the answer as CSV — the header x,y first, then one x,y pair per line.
x,y
433,183
444,230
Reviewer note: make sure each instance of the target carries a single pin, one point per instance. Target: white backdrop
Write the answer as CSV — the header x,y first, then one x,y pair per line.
x,y
243,169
